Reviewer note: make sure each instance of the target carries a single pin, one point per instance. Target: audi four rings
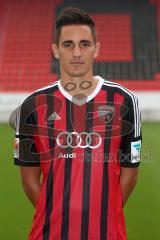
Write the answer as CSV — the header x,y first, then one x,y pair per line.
x,y
66,139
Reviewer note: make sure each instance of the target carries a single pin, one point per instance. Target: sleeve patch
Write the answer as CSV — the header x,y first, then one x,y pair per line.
x,y
16,148
135,151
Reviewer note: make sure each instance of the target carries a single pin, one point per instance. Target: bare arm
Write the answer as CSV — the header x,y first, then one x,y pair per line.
x,y
128,181
31,182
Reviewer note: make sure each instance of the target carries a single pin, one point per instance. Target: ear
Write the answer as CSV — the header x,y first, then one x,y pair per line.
x,y
97,48
55,50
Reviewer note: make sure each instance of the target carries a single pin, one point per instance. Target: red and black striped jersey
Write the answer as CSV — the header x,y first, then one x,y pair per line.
x,y
80,147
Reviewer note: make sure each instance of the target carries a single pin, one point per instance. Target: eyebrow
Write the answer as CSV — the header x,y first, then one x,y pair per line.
x,y
82,41
67,41
85,41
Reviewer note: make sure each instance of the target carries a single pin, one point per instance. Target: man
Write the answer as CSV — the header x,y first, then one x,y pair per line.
x,y
82,135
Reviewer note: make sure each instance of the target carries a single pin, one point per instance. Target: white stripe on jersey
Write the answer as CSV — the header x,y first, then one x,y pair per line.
x,y
17,123
137,122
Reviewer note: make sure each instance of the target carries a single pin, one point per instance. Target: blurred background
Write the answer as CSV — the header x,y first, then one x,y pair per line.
x,y
129,32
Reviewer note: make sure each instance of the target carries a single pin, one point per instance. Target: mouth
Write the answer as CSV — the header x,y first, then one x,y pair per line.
x,y
77,62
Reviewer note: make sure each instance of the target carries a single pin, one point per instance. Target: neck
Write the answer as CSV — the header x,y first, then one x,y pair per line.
x,y
65,79
79,87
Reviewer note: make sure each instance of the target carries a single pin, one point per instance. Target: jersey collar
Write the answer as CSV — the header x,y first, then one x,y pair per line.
x,y
90,97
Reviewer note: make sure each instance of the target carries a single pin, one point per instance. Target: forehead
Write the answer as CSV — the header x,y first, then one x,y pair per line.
x,y
76,33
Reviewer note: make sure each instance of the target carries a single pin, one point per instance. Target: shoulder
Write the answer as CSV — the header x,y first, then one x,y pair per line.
x,y
45,90
49,89
35,99
118,88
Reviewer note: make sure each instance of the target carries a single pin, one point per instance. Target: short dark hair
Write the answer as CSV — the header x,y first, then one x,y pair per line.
x,y
73,16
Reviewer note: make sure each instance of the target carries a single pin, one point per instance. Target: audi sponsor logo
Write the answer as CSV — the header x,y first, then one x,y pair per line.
x,y
82,140
67,155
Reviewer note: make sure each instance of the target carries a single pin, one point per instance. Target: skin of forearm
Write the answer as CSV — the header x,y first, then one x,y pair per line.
x,y
32,192
128,183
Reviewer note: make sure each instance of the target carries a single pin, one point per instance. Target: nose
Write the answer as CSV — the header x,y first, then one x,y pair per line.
x,y
76,51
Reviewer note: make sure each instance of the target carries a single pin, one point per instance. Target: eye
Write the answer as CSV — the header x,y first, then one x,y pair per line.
x,y
67,45
85,44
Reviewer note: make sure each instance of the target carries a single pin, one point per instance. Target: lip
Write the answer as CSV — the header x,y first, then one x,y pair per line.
x,y
77,62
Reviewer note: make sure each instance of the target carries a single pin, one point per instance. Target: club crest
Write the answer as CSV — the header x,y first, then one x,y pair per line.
x,y
106,112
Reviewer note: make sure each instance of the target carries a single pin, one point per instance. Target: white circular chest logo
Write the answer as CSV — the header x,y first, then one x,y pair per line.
x,y
82,140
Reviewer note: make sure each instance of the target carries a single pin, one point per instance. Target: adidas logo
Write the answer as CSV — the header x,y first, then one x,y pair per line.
x,y
54,116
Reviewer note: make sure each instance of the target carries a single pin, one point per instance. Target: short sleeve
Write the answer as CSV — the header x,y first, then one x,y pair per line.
x,y
131,140
25,152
